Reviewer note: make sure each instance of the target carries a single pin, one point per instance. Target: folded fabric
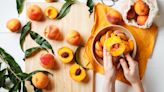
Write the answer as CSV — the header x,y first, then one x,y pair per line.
x,y
145,39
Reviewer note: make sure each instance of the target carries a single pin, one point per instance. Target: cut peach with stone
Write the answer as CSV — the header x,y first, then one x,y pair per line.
x,y
51,12
115,46
73,38
114,17
65,54
52,32
40,80
77,72
141,8
13,25
34,12
131,13
47,61
141,20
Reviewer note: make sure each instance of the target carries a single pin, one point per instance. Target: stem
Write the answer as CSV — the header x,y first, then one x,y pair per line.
x,y
14,74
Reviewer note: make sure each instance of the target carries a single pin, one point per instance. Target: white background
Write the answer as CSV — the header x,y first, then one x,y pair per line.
x,y
153,80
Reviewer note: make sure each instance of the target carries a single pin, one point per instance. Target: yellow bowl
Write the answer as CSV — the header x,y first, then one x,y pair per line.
x,y
103,31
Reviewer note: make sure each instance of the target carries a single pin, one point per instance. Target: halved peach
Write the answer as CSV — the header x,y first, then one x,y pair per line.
x,y
51,12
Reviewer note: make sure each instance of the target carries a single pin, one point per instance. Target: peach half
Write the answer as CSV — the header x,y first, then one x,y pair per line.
x,y
51,12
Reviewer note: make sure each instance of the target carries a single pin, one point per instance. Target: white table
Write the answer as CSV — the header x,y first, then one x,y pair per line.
x,y
153,80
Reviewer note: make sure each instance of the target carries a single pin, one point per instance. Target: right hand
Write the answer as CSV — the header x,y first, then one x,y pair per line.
x,y
131,73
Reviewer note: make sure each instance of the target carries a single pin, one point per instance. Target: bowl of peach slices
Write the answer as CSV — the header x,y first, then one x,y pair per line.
x,y
117,40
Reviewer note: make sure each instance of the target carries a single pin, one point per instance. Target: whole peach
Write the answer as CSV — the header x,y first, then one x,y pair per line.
x,y
114,17
141,20
40,80
52,32
34,12
13,25
141,8
73,38
47,61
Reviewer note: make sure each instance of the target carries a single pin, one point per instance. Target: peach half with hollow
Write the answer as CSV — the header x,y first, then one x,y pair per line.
x,y
52,32
40,80
115,46
77,72
47,61
51,12
141,20
34,12
13,25
141,8
114,17
65,54
73,37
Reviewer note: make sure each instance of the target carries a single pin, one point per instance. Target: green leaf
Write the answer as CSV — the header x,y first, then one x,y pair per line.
x,y
90,4
9,60
3,81
16,87
41,41
65,9
24,32
24,87
32,51
19,6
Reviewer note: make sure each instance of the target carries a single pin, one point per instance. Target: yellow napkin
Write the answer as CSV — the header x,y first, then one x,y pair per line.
x,y
145,39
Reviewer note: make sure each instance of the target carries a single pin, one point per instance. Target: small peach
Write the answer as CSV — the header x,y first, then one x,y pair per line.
x,y
13,25
131,13
52,32
34,12
47,61
74,38
49,1
141,20
51,12
40,80
141,8
114,17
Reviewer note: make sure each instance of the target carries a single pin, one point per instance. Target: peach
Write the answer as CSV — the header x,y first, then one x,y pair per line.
x,y
131,13
98,46
13,25
141,8
47,61
141,20
52,32
34,12
114,17
40,80
49,1
99,53
51,12
74,38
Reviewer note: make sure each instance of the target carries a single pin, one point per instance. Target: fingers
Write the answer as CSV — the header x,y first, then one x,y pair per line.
x,y
124,65
107,58
130,60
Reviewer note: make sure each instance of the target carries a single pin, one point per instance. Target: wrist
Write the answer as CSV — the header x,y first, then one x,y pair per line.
x,y
138,86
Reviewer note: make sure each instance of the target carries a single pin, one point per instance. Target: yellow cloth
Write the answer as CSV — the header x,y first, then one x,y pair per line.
x,y
145,39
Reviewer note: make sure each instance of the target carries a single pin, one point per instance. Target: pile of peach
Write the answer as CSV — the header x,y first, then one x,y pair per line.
x,y
116,42
139,12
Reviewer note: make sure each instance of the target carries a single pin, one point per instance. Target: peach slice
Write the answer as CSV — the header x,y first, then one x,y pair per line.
x,y
13,25
51,12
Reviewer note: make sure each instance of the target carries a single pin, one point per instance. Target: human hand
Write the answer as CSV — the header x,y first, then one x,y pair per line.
x,y
131,73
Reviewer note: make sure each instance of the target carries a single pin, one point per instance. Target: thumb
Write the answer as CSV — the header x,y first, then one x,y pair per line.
x,y
124,65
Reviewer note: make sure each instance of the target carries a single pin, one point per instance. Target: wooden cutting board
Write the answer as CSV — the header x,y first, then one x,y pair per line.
x,y
78,19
